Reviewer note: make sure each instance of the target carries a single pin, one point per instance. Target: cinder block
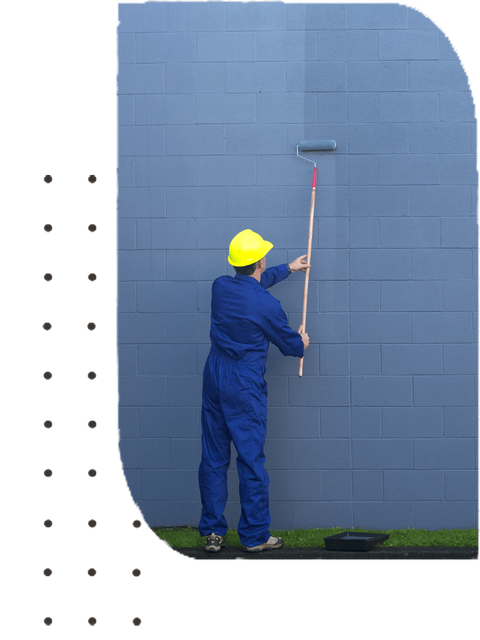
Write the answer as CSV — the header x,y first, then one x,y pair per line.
x,y
417,20
442,327
274,108
412,422
325,328
379,264
141,327
186,453
383,515
411,296
157,513
140,202
219,171
185,511
195,78
332,45
438,75
128,422
334,360
243,139
144,453
362,107
165,109
333,296
380,328
174,484
141,141
281,515
335,422
381,391
458,169
413,485
167,297
130,17
126,171
460,359
142,391
408,107
167,359
165,233
332,232
366,422
364,232
126,232
461,485
298,132
153,17
290,294
141,78
264,202
126,48
169,422
195,265
331,391
284,46
279,365
382,16
456,107
126,110
362,45
225,109
307,515
365,296
372,201
439,138
461,422
329,264
441,200
188,328
195,140
382,454
316,76
444,391
277,454
367,485
255,16
398,233
320,454
225,47
295,484
217,234
294,422
365,360
316,16
126,302
141,265
184,391
459,232
281,171
192,16
362,169
444,453
290,235
409,169
411,359
127,360
332,200
408,45
133,478
446,515
447,52
377,76
337,485
253,77
331,107
195,202
165,47
377,138
441,264
460,295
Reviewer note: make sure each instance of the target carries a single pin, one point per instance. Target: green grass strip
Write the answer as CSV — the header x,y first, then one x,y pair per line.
x,y
189,537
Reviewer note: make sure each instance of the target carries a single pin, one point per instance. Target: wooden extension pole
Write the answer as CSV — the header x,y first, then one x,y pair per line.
x,y
309,255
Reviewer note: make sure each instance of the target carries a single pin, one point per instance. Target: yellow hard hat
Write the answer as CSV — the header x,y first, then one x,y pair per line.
x,y
247,247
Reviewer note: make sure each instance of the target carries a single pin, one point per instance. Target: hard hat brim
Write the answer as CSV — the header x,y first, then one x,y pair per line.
x,y
261,254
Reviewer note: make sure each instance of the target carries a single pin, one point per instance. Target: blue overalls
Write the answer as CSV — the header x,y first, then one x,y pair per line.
x,y
245,318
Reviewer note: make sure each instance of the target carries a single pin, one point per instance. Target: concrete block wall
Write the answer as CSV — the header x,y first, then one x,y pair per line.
x,y
213,97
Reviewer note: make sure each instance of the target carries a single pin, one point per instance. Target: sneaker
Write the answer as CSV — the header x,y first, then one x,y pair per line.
x,y
271,543
214,543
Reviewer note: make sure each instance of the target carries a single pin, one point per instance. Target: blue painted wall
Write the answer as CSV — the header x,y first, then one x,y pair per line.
x,y
381,432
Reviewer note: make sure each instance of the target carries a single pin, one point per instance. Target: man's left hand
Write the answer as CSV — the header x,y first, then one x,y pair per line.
x,y
299,264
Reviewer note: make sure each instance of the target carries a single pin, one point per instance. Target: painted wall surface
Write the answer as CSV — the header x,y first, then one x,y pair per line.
x,y
381,431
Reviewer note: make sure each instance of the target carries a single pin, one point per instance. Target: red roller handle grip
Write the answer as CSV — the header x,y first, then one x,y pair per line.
x,y
314,183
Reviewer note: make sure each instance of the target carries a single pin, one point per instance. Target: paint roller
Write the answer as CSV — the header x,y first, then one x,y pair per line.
x,y
311,146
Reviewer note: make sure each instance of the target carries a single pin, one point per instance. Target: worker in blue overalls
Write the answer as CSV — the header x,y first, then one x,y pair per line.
x,y
245,319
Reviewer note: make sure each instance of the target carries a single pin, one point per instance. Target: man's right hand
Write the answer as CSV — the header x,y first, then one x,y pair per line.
x,y
304,336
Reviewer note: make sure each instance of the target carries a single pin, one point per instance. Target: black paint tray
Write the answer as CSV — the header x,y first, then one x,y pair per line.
x,y
355,541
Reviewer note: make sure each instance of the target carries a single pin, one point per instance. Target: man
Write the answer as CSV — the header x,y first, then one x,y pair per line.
x,y
245,318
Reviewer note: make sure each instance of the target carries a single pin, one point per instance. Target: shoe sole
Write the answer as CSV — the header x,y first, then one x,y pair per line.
x,y
262,547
